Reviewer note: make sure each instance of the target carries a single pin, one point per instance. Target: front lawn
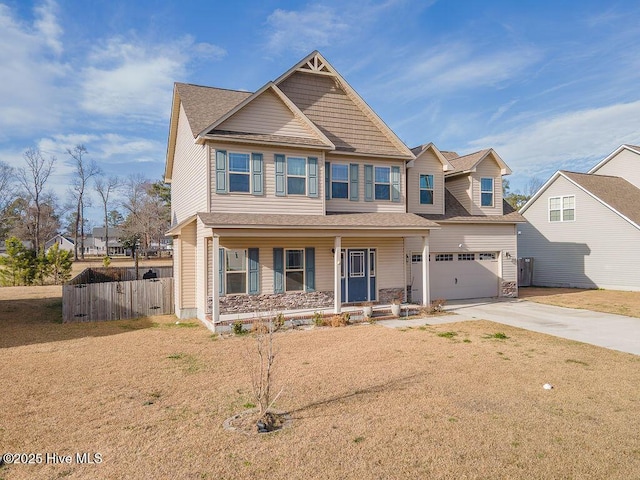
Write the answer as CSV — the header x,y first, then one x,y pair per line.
x,y
607,301
461,400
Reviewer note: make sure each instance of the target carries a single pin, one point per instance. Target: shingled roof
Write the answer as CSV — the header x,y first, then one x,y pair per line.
x,y
204,105
616,192
360,221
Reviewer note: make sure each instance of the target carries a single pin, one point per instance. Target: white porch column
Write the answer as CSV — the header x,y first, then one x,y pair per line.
x,y
215,280
426,300
337,247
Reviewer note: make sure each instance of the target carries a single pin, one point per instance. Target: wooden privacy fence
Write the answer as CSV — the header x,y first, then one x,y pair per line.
x,y
116,300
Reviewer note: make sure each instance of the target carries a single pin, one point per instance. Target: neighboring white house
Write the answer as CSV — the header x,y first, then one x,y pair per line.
x,y
300,196
584,228
64,243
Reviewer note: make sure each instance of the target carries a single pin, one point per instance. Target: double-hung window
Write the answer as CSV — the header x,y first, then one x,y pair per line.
x,y
426,189
236,271
294,270
562,209
239,172
486,192
296,176
382,183
339,181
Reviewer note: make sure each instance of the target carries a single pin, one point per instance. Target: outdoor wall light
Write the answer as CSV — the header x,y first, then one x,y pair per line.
x,y
507,254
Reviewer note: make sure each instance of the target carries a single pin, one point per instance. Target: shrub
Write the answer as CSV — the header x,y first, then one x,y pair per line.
x,y
106,261
318,319
237,328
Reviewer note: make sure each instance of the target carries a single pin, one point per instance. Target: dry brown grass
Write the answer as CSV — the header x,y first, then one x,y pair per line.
x,y
367,401
608,301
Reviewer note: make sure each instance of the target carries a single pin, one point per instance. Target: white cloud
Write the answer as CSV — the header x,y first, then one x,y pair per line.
x,y
128,78
31,73
573,141
46,24
452,67
304,30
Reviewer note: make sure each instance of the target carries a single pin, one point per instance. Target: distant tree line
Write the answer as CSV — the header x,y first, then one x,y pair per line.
x,y
31,213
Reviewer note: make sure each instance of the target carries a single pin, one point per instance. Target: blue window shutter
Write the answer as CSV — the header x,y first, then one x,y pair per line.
x,y
280,176
395,184
256,174
221,171
353,182
310,269
254,271
312,176
221,271
327,180
278,270
368,183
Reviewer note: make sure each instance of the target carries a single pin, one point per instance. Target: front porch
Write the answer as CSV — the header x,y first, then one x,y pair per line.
x,y
295,263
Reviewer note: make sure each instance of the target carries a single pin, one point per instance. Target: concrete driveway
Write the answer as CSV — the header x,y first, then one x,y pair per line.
x,y
607,330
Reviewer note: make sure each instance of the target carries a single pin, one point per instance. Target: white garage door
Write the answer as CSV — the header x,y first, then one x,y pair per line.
x,y
457,275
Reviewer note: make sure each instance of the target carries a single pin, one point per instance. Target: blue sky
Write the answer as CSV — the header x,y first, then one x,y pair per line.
x,y
548,84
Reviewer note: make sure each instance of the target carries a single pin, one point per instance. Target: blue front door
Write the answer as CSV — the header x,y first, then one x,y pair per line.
x,y
357,275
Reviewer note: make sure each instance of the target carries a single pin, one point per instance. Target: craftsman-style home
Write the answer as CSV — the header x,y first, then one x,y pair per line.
x,y
298,196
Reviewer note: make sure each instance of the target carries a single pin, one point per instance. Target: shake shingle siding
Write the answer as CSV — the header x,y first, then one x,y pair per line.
x,y
322,100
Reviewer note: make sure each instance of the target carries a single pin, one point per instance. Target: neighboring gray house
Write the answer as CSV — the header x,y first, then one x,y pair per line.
x,y
99,246
584,228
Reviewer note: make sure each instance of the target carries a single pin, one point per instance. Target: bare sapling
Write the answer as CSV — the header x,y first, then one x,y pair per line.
x,y
263,378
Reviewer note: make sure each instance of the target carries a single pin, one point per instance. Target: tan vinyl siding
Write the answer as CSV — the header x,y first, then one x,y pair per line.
x,y
427,164
269,202
626,165
474,238
188,266
460,187
177,274
384,206
488,168
201,267
390,255
189,182
597,249
269,115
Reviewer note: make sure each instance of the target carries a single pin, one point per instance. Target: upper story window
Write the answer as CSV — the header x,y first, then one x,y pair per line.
x,y
239,172
382,183
562,209
296,176
339,181
426,189
486,192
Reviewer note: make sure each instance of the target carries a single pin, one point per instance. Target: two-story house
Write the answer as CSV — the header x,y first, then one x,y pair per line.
x,y
583,228
300,196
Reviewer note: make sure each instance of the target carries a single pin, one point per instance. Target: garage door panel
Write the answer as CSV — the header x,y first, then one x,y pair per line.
x,y
458,279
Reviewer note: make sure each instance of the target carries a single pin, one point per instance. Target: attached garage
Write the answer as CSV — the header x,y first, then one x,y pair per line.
x,y
457,275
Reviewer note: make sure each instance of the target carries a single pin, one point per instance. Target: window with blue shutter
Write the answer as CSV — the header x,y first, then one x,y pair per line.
x,y
257,174
395,184
368,183
353,180
254,271
310,269
327,180
312,177
221,269
280,175
221,171
278,270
